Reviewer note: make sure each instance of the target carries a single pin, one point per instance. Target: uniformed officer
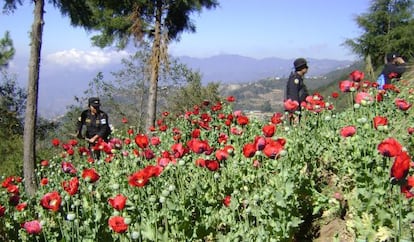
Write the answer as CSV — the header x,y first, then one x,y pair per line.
x,y
392,70
296,89
96,122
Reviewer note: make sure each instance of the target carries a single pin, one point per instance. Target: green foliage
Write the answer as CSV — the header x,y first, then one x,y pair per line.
x,y
386,27
12,99
193,93
6,50
318,174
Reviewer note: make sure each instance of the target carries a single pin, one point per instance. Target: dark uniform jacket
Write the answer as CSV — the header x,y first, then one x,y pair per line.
x,y
390,68
95,124
296,90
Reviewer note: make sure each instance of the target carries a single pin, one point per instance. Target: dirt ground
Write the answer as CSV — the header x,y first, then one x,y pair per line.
x,y
334,229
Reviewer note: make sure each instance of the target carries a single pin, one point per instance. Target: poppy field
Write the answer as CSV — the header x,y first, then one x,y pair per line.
x,y
217,174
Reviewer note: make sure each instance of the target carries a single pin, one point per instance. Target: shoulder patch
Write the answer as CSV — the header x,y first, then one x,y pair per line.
x,y
296,81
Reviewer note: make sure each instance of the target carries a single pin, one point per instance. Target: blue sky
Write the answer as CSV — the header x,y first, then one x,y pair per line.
x,y
254,28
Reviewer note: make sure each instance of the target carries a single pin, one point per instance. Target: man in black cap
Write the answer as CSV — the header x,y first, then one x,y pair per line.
x,y
97,125
296,89
392,70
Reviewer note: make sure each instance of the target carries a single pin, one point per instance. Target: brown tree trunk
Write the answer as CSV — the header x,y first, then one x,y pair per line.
x,y
155,64
29,144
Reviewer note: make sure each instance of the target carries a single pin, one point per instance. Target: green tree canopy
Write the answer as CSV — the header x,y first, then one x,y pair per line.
x,y
6,50
388,26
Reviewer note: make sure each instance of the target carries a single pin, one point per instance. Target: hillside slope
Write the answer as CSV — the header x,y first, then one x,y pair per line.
x,y
266,95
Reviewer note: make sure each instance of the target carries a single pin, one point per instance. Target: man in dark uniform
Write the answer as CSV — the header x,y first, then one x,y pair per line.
x,y
97,125
296,89
393,69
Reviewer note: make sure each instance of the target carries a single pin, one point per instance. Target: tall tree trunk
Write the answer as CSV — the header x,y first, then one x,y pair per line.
x,y
29,136
155,66
369,69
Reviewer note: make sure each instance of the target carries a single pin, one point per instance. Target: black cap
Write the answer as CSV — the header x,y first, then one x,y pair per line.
x,y
391,56
300,63
94,101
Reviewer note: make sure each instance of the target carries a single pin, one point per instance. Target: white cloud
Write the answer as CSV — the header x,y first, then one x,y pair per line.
x,y
89,60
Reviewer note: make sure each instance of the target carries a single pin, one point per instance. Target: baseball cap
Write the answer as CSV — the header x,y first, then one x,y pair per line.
x,y
391,56
300,63
94,101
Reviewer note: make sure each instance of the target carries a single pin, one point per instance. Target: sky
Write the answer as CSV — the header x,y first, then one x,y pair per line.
x,y
253,28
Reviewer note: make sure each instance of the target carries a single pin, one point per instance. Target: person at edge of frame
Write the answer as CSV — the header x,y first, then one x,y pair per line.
x,y
97,125
393,69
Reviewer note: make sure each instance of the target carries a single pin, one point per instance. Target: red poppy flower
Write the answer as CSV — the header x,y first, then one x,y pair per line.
x,y
152,171
8,181
357,76
406,187
242,120
196,133
379,97
142,141
138,179
269,130
410,130
117,224
335,95
200,162
20,207
155,141
227,201
222,139
149,154
12,188
231,99
127,141
249,150
276,118
44,181
51,201
72,186
67,167
178,150
212,165
222,155
380,121
348,131
55,142
90,175
259,142
118,202
32,227
44,163
163,128
236,131
346,86
124,120
389,147
401,165
402,104
363,98
198,146
291,105
272,149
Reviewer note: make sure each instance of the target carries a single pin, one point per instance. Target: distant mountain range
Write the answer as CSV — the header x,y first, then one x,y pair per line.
x,y
241,69
59,84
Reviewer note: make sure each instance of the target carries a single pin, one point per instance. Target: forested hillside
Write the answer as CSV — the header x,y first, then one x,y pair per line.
x,y
266,95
